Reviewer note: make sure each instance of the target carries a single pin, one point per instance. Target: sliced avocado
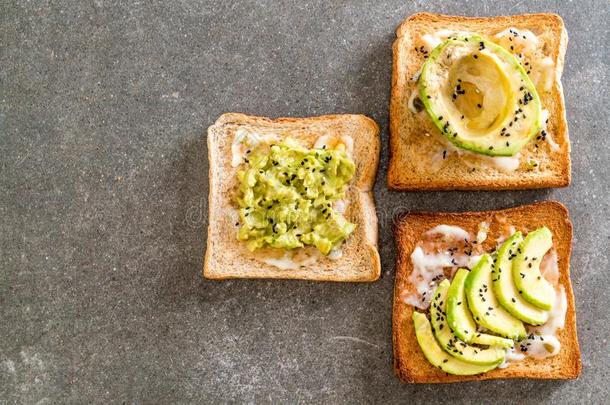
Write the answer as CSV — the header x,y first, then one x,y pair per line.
x,y
458,315
460,319
437,356
491,340
479,96
484,306
504,287
526,269
449,341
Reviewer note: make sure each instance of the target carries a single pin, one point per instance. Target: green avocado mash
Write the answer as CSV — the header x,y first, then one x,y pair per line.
x,y
286,196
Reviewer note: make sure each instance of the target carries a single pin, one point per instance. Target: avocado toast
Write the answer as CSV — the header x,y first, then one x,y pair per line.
x,y
477,103
292,198
465,273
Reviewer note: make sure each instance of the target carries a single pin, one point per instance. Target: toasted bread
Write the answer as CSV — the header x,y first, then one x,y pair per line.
x,y
410,364
415,141
227,257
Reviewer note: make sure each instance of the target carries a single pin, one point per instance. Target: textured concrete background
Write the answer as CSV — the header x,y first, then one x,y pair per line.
x,y
103,173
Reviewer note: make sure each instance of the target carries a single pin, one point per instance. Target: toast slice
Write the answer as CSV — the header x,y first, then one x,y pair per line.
x,y
410,364
416,145
227,257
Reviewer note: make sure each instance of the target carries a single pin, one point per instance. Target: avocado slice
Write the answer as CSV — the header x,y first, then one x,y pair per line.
x,y
437,356
458,315
449,341
479,96
504,287
491,340
460,319
484,305
526,269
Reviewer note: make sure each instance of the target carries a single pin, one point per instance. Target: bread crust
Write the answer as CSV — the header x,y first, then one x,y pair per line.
x,y
408,145
226,257
410,364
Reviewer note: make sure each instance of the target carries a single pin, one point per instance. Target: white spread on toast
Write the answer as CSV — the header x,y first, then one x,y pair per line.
x,y
434,39
411,102
297,258
427,269
244,140
473,260
549,346
523,41
482,230
430,258
340,206
448,232
335,254
549,139
505,164
549,268
527,47
287,262
512,356
335,142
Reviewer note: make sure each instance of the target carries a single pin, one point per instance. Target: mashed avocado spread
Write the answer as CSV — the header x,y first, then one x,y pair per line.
x,y
286,196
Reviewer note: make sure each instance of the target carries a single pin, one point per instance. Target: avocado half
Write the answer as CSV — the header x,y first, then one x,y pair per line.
x,y
479,96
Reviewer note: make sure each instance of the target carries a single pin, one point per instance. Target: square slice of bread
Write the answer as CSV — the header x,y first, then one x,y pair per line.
x,y
410,364
418,149
227,257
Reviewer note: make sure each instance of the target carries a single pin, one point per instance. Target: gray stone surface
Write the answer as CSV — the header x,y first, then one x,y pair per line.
x,y
103,112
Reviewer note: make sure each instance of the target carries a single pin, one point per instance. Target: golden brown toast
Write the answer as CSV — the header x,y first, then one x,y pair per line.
x,y
410,364
415,141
